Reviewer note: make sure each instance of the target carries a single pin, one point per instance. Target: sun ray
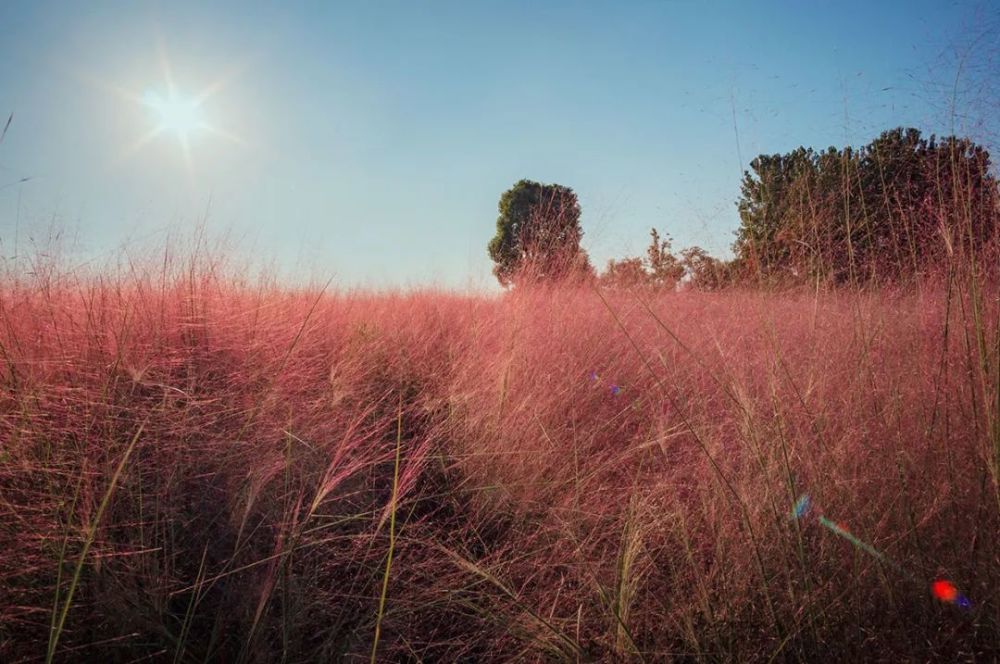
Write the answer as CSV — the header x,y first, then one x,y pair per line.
x,y
138,144
188,161
229,136
165,67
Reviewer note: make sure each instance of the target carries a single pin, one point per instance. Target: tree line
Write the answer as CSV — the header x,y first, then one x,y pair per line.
x,y
899,207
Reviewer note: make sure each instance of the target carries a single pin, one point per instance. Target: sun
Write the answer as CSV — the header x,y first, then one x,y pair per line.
x,y
180,113
176,114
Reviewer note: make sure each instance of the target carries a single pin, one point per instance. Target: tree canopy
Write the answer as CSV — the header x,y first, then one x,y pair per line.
x,y
660,270
538,234
892,208
900,206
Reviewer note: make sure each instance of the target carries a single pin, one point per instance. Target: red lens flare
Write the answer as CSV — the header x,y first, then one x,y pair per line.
x,y
944,591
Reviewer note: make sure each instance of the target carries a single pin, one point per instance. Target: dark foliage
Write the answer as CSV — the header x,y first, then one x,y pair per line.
x,y
538,234
900,205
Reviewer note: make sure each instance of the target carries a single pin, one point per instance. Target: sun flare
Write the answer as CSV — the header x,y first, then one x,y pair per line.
x,y
176,114
173,112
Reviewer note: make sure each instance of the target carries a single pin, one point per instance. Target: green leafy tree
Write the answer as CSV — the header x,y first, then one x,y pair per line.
x,y
900,204
538,235
771,201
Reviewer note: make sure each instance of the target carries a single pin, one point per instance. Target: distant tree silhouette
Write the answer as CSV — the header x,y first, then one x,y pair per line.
x,y
895,207
704,272
665,270
538,235
625,273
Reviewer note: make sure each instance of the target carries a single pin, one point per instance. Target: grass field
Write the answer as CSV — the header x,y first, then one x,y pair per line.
x,y
202,467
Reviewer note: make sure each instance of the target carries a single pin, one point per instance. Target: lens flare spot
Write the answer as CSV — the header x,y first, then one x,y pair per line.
x,y
945,591
802,506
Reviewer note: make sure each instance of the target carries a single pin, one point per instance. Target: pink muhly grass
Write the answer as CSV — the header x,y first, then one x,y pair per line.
x,y
292,438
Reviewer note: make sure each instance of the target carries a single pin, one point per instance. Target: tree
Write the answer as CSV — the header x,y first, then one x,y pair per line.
x,y
773,198
704,271
659,270
538,234
899,205
625,273
665,270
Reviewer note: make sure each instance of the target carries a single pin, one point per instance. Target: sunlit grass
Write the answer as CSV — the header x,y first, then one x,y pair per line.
x,y
438,477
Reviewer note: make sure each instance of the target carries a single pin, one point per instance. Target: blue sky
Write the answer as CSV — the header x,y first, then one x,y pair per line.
x,y
371,141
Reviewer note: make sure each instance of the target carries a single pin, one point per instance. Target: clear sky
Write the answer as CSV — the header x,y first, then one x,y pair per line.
x,y
370,141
